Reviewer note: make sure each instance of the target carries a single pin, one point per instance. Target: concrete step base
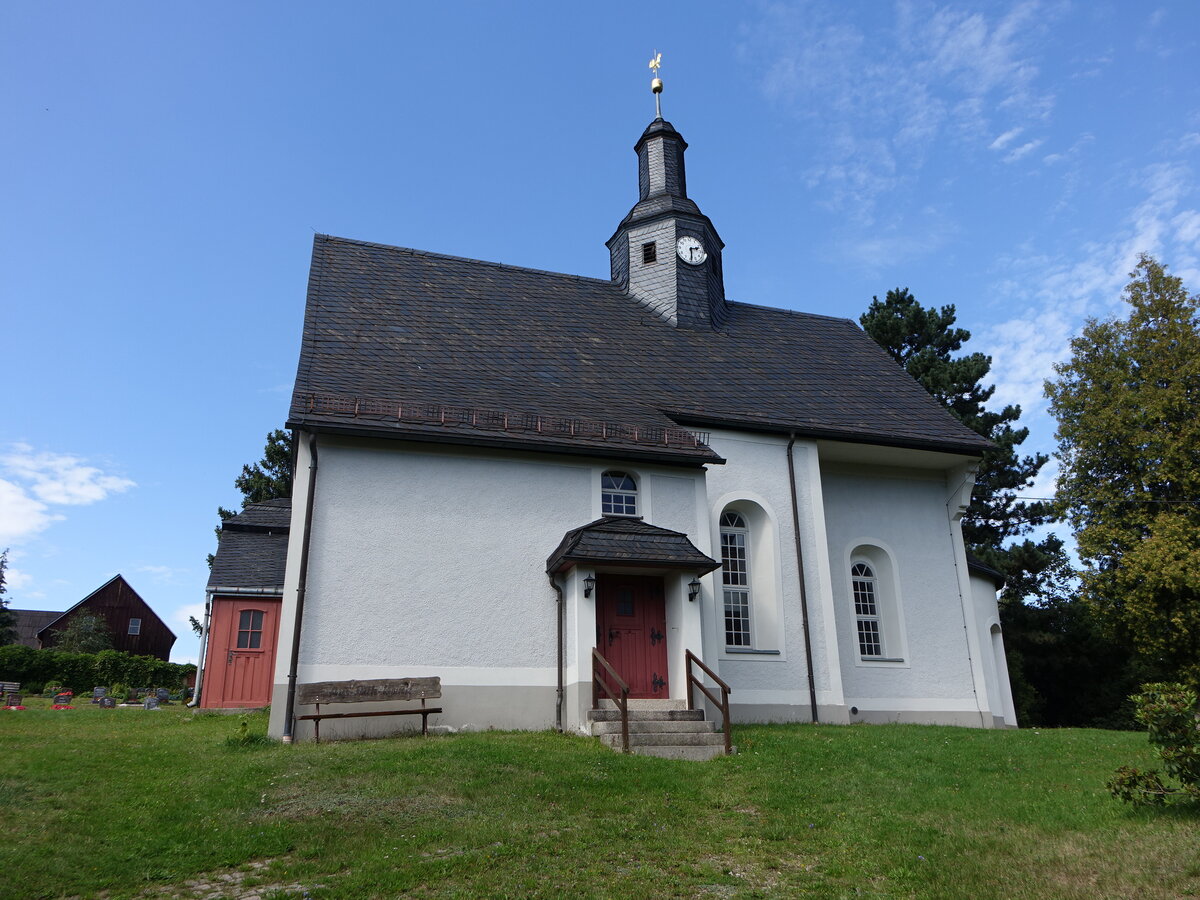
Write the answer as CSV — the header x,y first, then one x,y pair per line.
x,y
647,715
646,704
660,739
692,726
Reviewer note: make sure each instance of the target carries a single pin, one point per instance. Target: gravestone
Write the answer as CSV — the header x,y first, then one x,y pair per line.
x,y
150,703
12,698
63,699
107,703
99,693
163,695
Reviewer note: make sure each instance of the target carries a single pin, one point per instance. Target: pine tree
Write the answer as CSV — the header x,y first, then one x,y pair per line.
x,y
923,340
8,618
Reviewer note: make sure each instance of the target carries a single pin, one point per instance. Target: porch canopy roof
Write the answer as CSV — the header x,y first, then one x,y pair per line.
x,y
628,541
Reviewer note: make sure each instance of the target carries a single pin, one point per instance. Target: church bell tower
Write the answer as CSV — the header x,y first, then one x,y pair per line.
x,y
666,253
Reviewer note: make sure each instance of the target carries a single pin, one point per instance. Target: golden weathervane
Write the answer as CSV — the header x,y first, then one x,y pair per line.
x,y
656,83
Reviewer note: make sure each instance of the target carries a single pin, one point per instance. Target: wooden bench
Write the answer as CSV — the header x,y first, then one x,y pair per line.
x,y
380,690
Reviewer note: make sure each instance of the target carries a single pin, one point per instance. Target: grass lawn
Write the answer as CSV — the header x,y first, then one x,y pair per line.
x,y
128,803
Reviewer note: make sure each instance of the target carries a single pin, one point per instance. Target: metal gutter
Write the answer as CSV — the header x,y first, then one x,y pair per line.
x,y
808,656
558,703
208,598
290,704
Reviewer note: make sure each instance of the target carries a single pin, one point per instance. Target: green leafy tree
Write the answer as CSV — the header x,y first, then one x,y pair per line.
x,y
1169,713
924,341
1127,405
8,618
86,632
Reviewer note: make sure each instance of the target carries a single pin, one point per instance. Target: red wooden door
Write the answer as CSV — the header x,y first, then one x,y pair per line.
x,y
240,663
631,631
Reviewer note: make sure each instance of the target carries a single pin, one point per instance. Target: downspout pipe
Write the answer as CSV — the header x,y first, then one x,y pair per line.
x,y
808,656
289,707
558,703
208,599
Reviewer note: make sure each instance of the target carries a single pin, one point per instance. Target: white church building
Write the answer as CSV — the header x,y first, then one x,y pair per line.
x,y
502,470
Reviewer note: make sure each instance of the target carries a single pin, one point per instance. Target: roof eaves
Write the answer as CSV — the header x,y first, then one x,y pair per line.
x,y
613,450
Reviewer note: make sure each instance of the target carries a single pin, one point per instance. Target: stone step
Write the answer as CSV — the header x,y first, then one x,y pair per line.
x,y
660,739
647,715
646,704
687,726
697,754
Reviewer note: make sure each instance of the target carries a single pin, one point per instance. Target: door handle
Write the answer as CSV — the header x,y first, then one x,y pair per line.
x,y
613,634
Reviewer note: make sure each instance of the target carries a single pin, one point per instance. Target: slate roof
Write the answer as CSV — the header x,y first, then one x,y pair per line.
x,y
252,551
626,540
266,515
418,345
977,566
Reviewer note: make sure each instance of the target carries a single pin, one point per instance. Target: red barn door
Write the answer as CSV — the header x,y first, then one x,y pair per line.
x,y
240,663
631,631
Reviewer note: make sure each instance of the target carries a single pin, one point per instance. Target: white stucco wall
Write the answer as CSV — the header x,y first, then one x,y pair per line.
x,y
904,514
430,560
772,684
991,642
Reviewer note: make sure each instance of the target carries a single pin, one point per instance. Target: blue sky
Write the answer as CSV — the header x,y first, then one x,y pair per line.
x,y
167,165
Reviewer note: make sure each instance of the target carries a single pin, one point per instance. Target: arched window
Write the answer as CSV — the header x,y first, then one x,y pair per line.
x,y
866,609
618,494
735,578
875,596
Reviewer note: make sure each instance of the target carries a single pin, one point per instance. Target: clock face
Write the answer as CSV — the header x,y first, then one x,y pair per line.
x,y
690,250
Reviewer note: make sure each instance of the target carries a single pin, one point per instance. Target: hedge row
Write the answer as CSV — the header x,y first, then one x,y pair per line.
x,y
83,671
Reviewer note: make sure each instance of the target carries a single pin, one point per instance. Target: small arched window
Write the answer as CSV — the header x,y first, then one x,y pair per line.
x,y
735,578
618,494
866,609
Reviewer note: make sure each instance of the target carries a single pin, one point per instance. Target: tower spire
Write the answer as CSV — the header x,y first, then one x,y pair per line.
x,y
656,84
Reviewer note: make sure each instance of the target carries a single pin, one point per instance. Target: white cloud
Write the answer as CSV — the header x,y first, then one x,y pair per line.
x,y
1060,294
21,516
875,117
1001,142
161,574
181,614
37,481
1023,150
16,579
61,478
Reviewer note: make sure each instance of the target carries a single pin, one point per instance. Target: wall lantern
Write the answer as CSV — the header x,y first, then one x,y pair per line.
x,y
589,584
693,590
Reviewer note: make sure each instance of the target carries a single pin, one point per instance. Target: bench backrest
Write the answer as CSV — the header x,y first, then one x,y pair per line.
x,y
376,690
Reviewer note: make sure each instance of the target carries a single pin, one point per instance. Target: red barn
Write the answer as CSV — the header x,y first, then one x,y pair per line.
x,y
134,626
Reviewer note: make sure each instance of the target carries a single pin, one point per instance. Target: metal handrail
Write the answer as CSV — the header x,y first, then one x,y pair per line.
x,y
622,701
723,703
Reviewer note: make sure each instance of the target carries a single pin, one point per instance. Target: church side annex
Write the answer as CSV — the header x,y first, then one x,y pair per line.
x,y
501,470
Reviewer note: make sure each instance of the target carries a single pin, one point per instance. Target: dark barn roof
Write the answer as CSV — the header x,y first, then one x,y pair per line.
x,y
429,347
627,540
30,622
252,551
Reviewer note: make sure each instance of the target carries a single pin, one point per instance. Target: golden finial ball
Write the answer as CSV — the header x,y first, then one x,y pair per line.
x,y
656,85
